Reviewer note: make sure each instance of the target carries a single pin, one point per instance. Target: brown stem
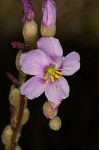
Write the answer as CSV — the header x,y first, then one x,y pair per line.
x,y
17,128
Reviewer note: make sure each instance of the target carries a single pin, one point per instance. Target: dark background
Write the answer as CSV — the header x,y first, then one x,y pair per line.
x,y
77,30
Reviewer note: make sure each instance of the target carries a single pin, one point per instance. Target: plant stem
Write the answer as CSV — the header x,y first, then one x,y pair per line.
x,y
18,124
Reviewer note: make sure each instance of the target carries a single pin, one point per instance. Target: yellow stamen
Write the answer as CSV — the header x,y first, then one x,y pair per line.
x,y
52,78
46,77
58,72
57,76
53,73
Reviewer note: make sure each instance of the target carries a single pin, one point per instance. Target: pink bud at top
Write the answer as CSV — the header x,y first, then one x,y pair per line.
x,y
28,13
49,13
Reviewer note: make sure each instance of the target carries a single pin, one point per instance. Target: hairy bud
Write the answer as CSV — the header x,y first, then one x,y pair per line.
x,y
25,116
14,96
22,77
6,135
17,61
55,123
18,148
48,111
30,33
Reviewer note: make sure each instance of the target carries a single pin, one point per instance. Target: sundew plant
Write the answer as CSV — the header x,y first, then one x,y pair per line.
x,y
42,69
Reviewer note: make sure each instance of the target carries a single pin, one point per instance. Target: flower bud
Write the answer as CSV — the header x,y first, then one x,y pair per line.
x,y
14,96
8,148
30,33
25,116
22,77
48,111
17,61
18,136
6,135
28,13
18,147
53,105
30,26
48,24
55,123
48,31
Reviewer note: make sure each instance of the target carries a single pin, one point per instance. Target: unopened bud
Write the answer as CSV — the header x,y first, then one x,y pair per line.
x,y
7,148
25,116
53,105
18,136
48,111
22,77
48,24
14,96
28,12
55,123
18,148
7,135
30,33
17,62
48,31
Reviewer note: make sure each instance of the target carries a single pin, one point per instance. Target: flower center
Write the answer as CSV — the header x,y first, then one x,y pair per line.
x,y
52,73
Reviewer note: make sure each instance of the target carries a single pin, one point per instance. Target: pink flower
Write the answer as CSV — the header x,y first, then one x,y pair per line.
x,y
47,64
49,13
28,13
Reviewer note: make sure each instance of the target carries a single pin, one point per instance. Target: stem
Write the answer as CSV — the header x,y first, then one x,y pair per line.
x,y
17,128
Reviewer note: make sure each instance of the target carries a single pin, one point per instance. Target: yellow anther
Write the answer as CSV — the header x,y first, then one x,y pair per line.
x,y
52,78
46,77
53,73
58,72
57,76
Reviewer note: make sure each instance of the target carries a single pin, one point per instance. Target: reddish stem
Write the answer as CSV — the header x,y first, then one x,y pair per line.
x,y
18,124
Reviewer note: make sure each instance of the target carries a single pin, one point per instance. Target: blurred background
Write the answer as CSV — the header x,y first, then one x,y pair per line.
x,y
77,30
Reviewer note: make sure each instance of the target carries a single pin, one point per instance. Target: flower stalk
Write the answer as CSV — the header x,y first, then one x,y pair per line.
x,y
47,66
18,124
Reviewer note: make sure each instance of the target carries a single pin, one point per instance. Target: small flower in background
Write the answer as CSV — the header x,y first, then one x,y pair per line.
x,y
47,64
48,24
28,13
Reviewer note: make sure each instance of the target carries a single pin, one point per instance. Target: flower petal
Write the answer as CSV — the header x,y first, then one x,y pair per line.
x,y
57,91
70,64
52,47
33,88
34,62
